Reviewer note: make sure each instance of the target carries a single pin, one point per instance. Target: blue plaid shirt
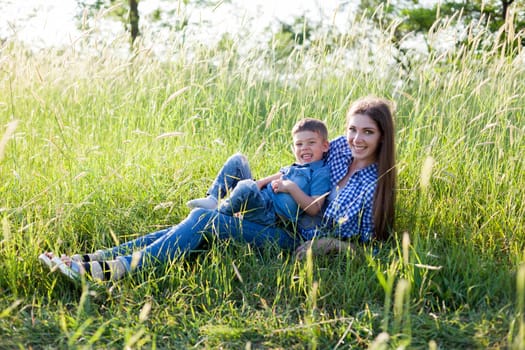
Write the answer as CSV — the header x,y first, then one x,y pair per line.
x,y
350,209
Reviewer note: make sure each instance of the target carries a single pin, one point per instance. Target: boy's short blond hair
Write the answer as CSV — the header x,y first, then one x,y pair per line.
x,y
311,124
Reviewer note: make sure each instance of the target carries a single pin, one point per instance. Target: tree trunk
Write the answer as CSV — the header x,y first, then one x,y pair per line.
x,y
134,19
504,7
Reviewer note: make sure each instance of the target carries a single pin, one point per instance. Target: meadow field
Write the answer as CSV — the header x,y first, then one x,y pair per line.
x,y
98,148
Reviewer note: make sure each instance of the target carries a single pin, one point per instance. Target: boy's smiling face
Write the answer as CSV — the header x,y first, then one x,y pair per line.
x,y
309,146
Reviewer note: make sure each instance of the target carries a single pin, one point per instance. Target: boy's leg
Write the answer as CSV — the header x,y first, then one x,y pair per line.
x,y
252,203
235,169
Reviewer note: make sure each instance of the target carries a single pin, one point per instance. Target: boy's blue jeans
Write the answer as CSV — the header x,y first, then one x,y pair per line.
x,y
234,183
235,169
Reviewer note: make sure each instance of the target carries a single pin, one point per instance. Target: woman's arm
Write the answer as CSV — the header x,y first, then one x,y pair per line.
x,y
323,246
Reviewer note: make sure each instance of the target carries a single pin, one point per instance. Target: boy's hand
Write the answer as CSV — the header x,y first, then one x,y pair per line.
x,y
282,185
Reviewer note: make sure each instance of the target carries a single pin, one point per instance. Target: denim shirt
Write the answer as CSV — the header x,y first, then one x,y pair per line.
x,y
312,178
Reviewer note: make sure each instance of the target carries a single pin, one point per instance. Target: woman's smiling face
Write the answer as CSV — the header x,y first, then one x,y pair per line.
x,y
364,137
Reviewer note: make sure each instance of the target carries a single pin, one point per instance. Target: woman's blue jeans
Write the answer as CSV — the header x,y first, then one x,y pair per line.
x,y
169,244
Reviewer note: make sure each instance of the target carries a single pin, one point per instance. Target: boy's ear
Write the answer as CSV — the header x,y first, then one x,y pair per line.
x,y
326,145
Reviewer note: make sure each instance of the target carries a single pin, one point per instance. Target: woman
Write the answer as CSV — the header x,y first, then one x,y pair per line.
x,y
363,177
361,204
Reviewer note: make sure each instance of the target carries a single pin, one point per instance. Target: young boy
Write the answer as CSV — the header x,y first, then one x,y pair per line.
x,y
294,191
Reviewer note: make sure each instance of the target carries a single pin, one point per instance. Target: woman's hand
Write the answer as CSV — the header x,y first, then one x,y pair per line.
x,y
322,246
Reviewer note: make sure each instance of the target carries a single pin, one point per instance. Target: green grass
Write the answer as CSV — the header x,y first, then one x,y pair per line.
x,y
97,150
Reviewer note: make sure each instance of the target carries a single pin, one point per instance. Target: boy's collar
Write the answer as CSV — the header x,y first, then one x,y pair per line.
x,y
314,165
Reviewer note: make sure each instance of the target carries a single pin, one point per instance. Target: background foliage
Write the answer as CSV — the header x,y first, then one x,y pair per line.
x,y
100,147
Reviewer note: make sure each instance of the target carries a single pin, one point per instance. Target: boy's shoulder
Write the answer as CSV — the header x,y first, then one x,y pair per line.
x,y
323,170
320,173
320,180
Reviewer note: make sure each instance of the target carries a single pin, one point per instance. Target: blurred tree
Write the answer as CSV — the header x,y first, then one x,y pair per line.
x,y
290,37
125,10
134,19
508,15
404,17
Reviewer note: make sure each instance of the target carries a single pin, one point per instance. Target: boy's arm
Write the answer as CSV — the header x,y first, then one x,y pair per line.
x,y
265,181
310,204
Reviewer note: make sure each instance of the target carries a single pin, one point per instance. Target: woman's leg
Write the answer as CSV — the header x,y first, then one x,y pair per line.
x,y
227,226
157,248
104,264
140,242
173,243
202,223
122,249
188,235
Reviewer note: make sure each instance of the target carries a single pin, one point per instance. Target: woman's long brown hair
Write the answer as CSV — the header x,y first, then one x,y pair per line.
x,y
381,112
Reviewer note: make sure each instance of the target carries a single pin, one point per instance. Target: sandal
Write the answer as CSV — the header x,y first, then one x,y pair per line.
x,y
65,270
46,261
54,263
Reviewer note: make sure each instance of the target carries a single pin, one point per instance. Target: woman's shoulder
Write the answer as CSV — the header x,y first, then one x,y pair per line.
x,y
338,141
339,147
